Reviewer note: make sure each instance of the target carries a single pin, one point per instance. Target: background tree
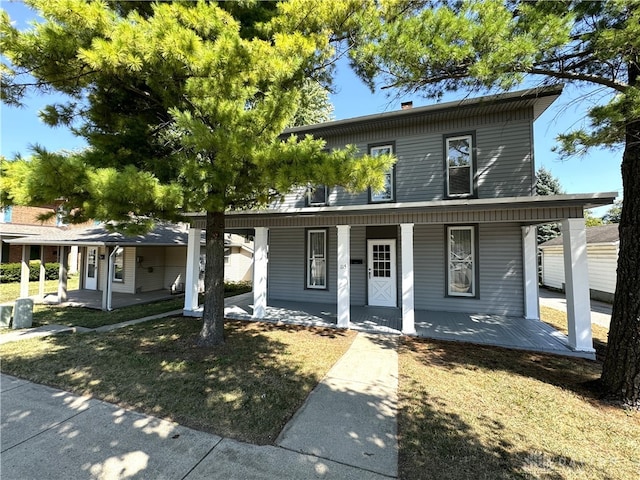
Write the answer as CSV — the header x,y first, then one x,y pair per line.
x,y
547,184
183,106
614,213
434,47
314,107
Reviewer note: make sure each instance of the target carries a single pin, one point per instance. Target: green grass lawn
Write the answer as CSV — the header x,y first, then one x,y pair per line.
x,y
247,389
10,291
465,411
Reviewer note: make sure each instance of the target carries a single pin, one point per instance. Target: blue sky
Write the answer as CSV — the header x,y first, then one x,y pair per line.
x,y
598,171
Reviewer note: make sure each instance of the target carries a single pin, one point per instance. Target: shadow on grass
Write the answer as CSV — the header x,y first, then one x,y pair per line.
x,y
575,374
91,318
436,438
246,389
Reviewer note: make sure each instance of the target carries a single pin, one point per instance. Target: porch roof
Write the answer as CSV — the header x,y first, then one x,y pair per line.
x,y
526,210
163,235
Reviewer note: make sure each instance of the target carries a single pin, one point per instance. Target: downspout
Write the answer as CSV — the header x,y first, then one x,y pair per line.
x,y
110,276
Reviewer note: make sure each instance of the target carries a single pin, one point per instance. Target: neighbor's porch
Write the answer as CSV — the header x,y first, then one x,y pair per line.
x,y
496,330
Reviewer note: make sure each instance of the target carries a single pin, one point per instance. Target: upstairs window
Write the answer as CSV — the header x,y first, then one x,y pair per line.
x,y
317,259
459,165
316,195
387,194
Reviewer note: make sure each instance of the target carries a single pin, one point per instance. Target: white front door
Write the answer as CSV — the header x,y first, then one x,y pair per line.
x,y
381,272
91,269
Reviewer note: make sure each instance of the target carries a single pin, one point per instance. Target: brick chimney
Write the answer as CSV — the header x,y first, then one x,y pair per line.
x,y
406,105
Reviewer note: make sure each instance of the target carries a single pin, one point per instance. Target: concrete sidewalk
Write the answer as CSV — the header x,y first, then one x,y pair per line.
x,y
350,417
600,311
49,433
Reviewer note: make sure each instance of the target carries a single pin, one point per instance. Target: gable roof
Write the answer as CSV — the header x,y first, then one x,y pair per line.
x,y
602,234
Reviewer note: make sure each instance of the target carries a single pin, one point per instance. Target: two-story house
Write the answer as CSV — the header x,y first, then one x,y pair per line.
x,y
453,231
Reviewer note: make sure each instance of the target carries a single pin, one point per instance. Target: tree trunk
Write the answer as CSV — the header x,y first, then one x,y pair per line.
x,y
621,369
212,332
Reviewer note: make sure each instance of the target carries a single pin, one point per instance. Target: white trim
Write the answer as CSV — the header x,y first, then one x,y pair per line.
x,y
406,246
530,267
343,280
260,258
576,274
453,293
393,276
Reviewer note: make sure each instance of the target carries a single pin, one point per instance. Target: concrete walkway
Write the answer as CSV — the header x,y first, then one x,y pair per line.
x,y
345,430
600,311
350,417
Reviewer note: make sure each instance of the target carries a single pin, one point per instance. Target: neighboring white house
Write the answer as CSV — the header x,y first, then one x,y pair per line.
x,y
238,258
603,245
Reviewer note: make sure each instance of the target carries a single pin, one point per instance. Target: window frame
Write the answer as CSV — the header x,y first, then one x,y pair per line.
x,y
391,172
473,185
115,260
475,276
310,189
307,259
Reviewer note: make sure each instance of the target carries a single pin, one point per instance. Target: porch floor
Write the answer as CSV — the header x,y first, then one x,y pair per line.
x,y
497,330
93,298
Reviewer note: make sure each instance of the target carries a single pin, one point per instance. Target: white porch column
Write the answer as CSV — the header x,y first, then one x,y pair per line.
x,y
344,274
408,313
576,275
43,274
62,274
530,267
73,259
107,274
24,272
260,244
193,271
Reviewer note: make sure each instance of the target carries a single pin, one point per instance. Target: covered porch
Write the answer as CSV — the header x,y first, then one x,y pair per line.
x,y
496,330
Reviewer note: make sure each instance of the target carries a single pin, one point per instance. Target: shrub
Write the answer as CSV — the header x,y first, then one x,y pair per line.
x,y
11,272
236,288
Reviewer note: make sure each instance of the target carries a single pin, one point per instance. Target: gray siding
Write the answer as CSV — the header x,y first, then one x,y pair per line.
x,y
500,267
286,267
504,158
358,250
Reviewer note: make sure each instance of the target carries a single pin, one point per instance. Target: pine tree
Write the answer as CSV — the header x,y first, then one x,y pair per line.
x,y
183,106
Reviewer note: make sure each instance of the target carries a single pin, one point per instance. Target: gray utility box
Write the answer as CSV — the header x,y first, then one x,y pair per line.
x,y
23,313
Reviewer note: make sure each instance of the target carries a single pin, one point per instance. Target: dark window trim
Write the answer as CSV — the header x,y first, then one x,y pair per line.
x,y
317,204
326,258
393,172
476,261
474,165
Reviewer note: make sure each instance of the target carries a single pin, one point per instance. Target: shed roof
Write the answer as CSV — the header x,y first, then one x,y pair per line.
x,y
602,234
